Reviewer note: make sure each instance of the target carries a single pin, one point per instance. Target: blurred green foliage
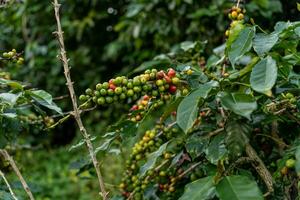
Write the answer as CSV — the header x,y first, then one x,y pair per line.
x,y
104,38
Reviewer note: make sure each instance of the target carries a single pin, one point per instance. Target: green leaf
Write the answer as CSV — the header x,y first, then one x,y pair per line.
x,y
297,156
9,98
195,145
216,149
200,189
187,111
12,84
238,188
45,99
151,160
263,43
239,103
264,75
298,6
234,32
241,45
236,138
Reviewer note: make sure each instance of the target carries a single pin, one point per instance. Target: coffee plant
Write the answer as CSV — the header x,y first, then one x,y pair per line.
x,y
219,126
222,131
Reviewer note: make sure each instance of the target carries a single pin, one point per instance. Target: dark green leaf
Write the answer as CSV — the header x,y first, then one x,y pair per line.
x,y
200,189
45,99
236,138
240,103
187,111
216,149
238,188
195,145
241,45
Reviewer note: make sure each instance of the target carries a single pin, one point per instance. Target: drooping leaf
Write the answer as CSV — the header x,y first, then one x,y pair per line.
x,y
241,45
151,160
236,138
216,150
187,110
45,99
263,43
195,145
238,188
240,103
264,75
203,189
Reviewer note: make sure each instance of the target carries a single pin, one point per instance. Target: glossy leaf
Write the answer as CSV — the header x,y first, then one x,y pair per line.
x,y
241,45
216,149
200,189
239,103
45,99
236,138
263,43
187,111
264,75
238,188
151,160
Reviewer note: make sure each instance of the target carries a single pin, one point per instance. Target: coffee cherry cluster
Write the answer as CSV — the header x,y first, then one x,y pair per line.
x,y
14,56
237,16
150,141
154,83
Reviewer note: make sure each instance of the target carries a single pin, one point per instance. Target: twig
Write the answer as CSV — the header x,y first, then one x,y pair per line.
x,y
86,136
191,168
238,3
7,157
260,168
8,186
215,132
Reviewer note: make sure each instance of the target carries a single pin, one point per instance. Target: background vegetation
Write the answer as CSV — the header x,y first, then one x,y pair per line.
x,y
104,39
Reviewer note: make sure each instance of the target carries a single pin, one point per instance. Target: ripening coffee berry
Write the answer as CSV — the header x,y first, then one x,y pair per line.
x,y
101,101
89,91
234,14
172,89
99,86
108,100
240,16
130,93
171,73
159,82
105,85
103,92
118,90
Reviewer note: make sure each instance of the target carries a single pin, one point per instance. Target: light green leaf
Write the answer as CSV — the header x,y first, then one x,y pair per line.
x,y
45,99
200,189
216,149
9,98
298,6
187,111
240,103
238,188
264,75
263,43
241,45
151,160
234,32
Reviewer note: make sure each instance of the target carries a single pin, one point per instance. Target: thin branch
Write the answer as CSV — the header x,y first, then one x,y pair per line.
x,y
191,168
260,168
8,186
86,136
12,163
